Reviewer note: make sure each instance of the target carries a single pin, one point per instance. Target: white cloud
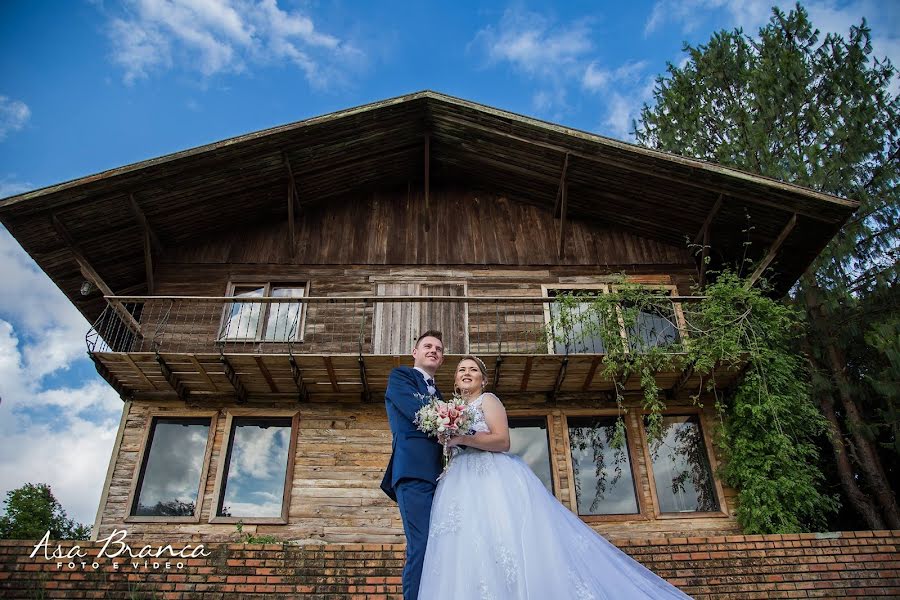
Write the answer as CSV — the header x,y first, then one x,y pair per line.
x,y
222,36
9,186
14,114
553,55
55,433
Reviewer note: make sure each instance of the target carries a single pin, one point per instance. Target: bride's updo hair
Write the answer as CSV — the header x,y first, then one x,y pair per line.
x,y
478,362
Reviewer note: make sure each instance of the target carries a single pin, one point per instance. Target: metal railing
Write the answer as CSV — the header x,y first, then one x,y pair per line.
x,y
339,325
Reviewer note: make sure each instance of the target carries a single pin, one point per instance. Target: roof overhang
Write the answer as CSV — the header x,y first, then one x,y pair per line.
x,y
102,219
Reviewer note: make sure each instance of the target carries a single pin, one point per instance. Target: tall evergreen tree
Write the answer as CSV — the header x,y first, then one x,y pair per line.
x,y
820,114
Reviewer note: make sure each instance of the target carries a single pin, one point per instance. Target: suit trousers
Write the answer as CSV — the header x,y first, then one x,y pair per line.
x,y
414,498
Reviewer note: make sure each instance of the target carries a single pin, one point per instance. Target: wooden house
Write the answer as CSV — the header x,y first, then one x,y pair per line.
x,y
249,298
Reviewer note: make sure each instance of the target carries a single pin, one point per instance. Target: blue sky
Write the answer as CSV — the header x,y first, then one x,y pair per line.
x,y
95,84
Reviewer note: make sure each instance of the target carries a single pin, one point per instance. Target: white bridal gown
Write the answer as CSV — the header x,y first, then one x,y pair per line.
x,y
497,533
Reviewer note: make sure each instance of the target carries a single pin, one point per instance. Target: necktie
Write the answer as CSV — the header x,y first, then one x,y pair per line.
x,y
430,383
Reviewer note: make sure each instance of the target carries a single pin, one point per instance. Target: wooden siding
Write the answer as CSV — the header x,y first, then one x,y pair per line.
x,y
340,456
464,227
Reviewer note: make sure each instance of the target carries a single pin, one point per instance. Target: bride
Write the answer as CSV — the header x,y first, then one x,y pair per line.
x,y
497,533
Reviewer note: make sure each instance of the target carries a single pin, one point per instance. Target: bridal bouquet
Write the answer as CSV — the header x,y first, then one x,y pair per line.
x,y
444,419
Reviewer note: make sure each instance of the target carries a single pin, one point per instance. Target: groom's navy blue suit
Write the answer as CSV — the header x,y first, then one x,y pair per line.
x,y
411,475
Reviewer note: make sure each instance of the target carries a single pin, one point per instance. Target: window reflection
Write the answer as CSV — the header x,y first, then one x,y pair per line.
x,y
655,326
603,480
581,326
170,476
528,440
283,322
681,468
242,318
255,468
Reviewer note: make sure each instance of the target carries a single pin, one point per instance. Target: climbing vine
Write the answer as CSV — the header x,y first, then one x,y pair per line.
x,y
768,423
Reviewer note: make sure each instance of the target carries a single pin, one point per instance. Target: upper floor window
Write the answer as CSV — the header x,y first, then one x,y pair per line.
x,y
270,321
653,325
169,480
575,328
397,324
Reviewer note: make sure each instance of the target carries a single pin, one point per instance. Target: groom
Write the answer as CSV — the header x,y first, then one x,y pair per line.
x,y
411,475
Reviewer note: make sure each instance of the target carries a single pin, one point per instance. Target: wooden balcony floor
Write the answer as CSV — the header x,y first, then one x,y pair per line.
x,y
265,377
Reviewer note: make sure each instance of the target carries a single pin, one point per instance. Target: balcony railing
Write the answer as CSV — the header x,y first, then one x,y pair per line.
x,y
376,325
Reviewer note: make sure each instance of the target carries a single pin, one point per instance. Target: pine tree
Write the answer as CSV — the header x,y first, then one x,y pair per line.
x,y
820,114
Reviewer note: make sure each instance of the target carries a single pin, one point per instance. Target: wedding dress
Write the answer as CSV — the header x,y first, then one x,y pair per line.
x,y
497,534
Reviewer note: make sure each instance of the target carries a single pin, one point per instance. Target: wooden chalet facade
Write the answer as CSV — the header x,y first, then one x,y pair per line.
x,y
249,298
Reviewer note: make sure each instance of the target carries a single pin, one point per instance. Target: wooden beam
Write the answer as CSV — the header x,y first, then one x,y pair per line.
x,y
709,219
331,375
203,373
562,180
266,374
92,274
427,184
138,371
590,376
177,386
560,251
497,366
773,250
560,376
364,379
107,375
145,225
297,376
704,258
292,240
682,381
526,375
294,188
233,378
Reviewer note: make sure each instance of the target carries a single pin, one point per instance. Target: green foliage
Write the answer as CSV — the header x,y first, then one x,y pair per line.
x,y
769,424
32,510
819,111
249,538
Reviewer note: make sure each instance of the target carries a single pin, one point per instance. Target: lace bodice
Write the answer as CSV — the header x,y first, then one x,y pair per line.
x,y
479,424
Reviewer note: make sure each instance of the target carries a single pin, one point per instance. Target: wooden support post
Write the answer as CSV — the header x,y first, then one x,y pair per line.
x,y
150,241
297,376
170,377
773,250
560,251
560,376
363,377
704,234
292,240
293,197
266,374
233,378
562,180
590,376
497,365
91,274
427,184
526,375
686,375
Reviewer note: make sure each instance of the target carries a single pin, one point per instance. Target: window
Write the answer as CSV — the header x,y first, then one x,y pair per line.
x,y
604,483
655,325
255,471
264,321
681,468
173,464
578,330
529,440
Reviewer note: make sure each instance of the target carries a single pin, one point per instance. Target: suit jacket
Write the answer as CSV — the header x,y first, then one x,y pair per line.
x,y
414,455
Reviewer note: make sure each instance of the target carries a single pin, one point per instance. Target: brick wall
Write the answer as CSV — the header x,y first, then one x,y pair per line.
x,y
835,565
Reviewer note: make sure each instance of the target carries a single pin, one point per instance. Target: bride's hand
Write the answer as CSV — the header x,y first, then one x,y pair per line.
x,y
456,440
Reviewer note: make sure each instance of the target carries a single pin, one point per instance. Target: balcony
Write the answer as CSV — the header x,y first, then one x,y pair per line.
x,y
326,348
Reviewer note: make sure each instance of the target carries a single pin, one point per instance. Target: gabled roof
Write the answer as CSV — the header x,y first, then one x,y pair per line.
x,y
197,191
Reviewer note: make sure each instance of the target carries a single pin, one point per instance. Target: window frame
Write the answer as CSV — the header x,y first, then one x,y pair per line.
x,y
219,488
137,476
642,513
710,457
551,432
546,288
671,290
267,286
